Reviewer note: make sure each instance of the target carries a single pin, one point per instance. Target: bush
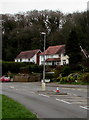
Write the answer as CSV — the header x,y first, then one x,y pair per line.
x,y
16,67
73,77
48,68
70,79
13,67
49,76
35,68
84,78
66,71
24,69
63,80
57,71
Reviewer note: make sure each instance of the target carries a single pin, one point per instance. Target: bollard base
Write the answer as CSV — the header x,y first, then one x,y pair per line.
x,y
43,86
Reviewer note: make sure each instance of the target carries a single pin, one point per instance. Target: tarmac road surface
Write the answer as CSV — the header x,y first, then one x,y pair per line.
x,y
45,105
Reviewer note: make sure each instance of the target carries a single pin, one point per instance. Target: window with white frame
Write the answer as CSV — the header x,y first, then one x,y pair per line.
x,y
57,63
64,62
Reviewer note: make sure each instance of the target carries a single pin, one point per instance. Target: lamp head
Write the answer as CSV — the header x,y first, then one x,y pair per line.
x,y
43,33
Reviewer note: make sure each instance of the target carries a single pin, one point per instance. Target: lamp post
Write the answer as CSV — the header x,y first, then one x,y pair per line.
x,y
43,81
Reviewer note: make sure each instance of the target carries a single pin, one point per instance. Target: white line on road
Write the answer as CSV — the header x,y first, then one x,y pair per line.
x,y
69,93
32,92
74,94
44,95
84,107
63,101
12,87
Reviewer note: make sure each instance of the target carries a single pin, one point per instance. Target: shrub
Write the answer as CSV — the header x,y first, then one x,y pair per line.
x,y
58,79
35,68
11,66
24,69
63,80
56,73
48,68
49,76
70,79
59,68
16,67
66,71
84,78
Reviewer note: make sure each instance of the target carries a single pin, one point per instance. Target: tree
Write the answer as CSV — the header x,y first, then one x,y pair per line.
x,y
73,49
21,31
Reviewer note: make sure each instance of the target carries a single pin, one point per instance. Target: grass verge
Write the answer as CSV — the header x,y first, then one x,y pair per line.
x,y
13,109
0,106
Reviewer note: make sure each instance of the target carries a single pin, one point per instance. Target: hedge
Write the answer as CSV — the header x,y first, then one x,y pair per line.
x,y
15,67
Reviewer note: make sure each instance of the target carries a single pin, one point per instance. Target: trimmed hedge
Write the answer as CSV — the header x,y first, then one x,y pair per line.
x,y
16,67
13,67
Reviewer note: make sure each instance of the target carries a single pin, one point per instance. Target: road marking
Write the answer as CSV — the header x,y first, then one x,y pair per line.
x,y
44,95
32,92
76,102
84,107
69,93
63,101
74,94
12,87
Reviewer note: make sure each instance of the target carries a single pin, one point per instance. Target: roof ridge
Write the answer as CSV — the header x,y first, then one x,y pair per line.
x,y
30,50
57,45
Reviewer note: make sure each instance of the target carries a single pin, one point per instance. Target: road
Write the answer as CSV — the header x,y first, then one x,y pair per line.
x,y
45,105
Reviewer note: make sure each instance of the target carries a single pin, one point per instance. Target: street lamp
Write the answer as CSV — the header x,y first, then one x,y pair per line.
x,y
43,81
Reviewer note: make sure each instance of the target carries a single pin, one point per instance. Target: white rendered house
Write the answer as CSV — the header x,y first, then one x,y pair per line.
x,y
28,56
54,55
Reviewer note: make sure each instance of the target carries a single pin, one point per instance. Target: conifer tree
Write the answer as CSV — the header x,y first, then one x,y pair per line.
x,y
73,49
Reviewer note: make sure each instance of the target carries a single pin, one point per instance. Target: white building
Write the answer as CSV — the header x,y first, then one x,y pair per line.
x,y
54,55
28,56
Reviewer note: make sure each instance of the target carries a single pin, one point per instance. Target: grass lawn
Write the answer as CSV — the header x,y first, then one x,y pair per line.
x,y
13,109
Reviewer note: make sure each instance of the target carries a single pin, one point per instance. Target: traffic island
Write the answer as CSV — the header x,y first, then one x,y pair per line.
x,y
51,92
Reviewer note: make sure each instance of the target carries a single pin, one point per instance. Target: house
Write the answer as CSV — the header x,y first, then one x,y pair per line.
x,y
28,56
54,55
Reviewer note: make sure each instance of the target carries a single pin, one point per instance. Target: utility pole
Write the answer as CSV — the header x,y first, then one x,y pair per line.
x,y
43,81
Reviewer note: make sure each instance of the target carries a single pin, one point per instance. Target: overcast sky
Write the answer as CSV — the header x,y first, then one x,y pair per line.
x,y
65,6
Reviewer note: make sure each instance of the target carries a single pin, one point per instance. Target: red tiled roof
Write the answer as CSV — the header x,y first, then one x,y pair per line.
x,y
27,54
53,59
54,50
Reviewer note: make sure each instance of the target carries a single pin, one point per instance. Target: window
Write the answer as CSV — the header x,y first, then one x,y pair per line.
x,y
51,56
57,63
33,61
42,62
64,62
19,60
